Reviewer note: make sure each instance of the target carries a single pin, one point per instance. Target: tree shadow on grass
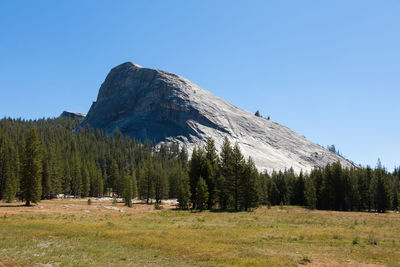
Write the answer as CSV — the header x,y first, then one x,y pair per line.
x,y
229,211
8,205
212,210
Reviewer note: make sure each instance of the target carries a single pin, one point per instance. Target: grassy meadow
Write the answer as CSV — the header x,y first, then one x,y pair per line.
x,y
72,233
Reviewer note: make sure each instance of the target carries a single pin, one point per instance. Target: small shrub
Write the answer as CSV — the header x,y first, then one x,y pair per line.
x,y
356,241
372,240
201,219
158,206
337,237
269,205
89,201
305,260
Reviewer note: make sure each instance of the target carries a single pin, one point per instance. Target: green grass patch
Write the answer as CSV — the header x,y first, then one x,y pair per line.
x,y
279,236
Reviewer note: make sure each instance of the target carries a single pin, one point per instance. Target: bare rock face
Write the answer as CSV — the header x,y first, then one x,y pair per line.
x,y
74,115
159,106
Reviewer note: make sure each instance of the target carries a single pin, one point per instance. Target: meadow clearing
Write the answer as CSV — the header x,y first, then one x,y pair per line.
x,y
73,233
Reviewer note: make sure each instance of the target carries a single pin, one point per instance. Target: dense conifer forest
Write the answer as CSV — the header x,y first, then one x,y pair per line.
x,y
45,158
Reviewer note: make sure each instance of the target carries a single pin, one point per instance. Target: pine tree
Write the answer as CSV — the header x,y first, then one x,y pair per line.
x,y
370,178
128,191
66,180
338,185
355,197
183,193
31,188
76,177
249,186
264,188
54,159
396,196
146,185
235,179
327,191
363,188
381,191
85,192
8,175
141,181
396,191
290,184
273,193
310,194
46,183
300,187
211,171
134,185
225,168
201,194
317,177
113,178
97,183
172,178
280,182
197,165
160,184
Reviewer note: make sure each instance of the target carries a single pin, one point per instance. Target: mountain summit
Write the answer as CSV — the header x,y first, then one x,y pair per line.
x,y
71,114
159,106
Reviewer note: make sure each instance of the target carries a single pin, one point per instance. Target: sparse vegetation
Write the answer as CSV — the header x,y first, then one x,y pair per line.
x,y
64,233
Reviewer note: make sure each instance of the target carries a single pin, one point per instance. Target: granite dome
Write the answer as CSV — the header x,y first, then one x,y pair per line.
x,y
159,106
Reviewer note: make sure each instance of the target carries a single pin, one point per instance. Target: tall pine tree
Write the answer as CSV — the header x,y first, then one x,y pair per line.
x,y
31,187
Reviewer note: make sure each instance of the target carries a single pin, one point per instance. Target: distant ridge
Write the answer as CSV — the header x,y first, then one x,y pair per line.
x,y
74,115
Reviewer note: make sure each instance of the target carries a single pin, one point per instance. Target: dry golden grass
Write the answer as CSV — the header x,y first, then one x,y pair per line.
x,y
72,233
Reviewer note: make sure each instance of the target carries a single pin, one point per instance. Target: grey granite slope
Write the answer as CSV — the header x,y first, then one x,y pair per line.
x,y
71,114
160,106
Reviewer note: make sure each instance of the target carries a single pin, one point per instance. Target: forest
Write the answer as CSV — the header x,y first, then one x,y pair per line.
x,y
48,158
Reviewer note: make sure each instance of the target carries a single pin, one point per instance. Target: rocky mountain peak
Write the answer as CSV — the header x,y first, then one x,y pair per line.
x,y
159,106
71,114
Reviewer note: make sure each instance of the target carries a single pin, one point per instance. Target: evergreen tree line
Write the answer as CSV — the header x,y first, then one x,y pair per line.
x,y
224,181
335,188
87,163
231,182
44,158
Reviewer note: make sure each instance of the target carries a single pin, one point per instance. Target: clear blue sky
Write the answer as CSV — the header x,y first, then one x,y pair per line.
x,y
330,70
